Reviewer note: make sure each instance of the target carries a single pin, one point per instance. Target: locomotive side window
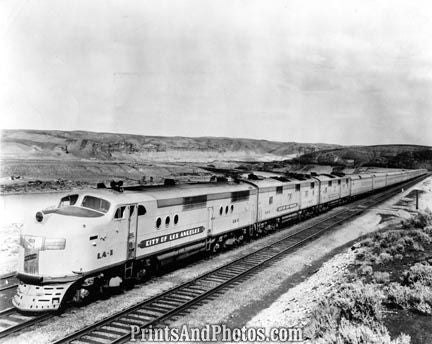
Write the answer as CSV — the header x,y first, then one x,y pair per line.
x,y
232,208
95,203
158,222
176,219
221,211
312,185
330,183
167,221
271,200
141,210
226,210
279,189
339,181
120,212
131,210
68,200
297,187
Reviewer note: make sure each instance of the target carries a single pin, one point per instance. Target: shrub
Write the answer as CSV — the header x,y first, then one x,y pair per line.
x,y
419,273
352,333
420,236
418,297
385,257
421,220
381,277
428,230
359,302
366,270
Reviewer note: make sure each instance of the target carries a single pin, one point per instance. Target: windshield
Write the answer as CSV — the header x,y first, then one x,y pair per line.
x,y
68,200
95,203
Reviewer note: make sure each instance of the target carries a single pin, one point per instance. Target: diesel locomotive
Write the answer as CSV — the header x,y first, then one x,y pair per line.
x,y
103,238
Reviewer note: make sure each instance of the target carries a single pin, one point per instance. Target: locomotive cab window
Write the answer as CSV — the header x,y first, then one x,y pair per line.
x,y
339,181
68,200
312,185
141,210
330,183
95,203
120,212
279,189
297,187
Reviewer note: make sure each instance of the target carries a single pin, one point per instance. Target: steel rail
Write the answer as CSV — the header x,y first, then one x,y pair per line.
x,y
11,321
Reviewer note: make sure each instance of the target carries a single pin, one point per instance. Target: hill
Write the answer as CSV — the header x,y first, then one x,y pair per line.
x,y
389,156
47,144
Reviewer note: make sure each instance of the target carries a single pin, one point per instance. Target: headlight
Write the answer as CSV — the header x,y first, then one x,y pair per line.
x,y
41,243
54,244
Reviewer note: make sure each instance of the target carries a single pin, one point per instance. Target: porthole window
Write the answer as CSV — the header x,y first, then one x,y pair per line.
x,y
221,211
226,210
141,210
232,207
175,219
167,221
158,222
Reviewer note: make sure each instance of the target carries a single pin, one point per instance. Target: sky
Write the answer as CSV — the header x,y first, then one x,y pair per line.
x,y
346,72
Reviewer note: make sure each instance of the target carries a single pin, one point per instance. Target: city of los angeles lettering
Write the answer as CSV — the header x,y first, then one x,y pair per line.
x,y
170,237
286,207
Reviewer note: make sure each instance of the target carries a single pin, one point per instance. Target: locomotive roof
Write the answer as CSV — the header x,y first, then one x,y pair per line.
x,y
158,192
188,190
324,178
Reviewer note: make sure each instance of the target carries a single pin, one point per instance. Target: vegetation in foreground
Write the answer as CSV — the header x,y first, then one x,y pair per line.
x,y
392,271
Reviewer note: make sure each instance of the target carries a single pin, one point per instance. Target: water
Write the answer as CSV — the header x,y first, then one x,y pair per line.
x,y
21,208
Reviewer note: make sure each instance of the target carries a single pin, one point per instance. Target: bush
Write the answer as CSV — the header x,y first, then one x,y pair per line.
x,y
384,258
419,273
418,297
366,270
359,302
420,236
352,333
421,220
381,277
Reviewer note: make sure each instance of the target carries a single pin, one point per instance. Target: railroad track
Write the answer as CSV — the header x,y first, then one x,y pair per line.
x,y
11,320
158,309
8,281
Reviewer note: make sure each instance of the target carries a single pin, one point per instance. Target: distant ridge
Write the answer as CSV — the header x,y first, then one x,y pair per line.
x,y
394,156
54,144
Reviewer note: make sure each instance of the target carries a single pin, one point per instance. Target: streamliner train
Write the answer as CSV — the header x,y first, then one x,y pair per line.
x,y
106,237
